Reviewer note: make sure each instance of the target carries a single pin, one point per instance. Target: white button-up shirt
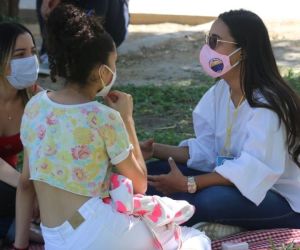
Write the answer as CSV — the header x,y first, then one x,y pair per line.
x,y
258,143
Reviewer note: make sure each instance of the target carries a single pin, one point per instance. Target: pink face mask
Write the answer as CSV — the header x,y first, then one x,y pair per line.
x,y
214,63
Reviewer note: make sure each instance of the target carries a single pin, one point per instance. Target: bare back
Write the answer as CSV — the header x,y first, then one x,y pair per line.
x,y
56,205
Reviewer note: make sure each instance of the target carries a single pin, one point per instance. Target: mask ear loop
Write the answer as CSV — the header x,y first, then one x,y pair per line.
x,y
232,53
102,82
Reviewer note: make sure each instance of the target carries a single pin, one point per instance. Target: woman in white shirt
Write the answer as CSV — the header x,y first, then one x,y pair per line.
x,y
243,166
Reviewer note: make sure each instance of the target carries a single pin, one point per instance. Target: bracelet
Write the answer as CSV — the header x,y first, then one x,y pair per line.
x,y
16,248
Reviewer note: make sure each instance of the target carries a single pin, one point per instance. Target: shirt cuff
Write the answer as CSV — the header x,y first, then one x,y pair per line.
x,y
122,156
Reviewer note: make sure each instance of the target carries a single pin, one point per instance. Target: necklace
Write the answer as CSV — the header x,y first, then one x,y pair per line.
x,y
230,122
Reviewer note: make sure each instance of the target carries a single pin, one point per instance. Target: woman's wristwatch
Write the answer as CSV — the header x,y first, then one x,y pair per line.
x,y
191,184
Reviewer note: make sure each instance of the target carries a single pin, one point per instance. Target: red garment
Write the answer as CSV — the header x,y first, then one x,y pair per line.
x,y
10,146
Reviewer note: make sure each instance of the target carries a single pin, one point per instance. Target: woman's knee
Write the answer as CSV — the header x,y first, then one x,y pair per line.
x,y
212,201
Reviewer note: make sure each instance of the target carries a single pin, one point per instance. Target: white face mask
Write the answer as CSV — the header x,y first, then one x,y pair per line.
x,y
105,90
24,72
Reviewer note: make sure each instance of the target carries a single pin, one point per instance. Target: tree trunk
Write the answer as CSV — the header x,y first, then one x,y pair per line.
x,y
9,8
4,7
13,8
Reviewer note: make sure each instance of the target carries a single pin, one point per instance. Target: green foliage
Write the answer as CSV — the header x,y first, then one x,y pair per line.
x,y
8,19
164,112
293,79
289,246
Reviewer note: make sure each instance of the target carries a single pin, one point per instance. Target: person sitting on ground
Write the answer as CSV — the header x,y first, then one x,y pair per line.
x,y
242,168
18,75
71,142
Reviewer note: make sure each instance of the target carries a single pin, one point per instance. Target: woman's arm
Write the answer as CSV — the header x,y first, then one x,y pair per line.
x,y
175,181
163,152
8,174
24,206
211,179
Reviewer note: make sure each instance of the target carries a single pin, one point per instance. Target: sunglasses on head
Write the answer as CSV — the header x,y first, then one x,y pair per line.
x,y
213,40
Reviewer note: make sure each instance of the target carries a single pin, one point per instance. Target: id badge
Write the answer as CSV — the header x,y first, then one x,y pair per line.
x,y
221,159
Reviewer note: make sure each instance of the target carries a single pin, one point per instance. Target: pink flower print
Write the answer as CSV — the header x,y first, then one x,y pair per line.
x,y
78,174
96,109
41,132
80,152
128,185
92,186
178,214
50,150
137,203
156,243
177,234
129,189
51,119
120,207
141,212
84,111
93,120
156,213
114,181
45,167
112,117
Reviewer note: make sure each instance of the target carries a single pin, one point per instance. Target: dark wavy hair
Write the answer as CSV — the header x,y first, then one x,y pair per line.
x,y
259,72
9,33
76,43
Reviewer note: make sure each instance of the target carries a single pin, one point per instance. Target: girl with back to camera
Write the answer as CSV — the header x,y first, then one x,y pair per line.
x,y
243,166
71,141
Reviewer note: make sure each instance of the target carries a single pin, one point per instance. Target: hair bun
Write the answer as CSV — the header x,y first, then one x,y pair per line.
x,y
71,23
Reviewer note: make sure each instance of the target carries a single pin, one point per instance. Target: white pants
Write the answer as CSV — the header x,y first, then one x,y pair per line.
x,y
104,228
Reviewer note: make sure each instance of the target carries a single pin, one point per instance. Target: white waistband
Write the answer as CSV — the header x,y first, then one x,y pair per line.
x,y
87,210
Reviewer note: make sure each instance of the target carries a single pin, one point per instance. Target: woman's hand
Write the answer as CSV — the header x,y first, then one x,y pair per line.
x,y
169,183
147,148
121,102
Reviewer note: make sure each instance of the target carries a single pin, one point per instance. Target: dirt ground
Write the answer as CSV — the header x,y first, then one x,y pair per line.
x,y
176,59
168,53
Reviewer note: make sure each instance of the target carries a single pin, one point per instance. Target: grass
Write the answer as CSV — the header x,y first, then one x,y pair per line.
x,y
164,112
289,246
293,79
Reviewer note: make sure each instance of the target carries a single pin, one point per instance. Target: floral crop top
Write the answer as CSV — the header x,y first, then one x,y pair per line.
x,y
71,146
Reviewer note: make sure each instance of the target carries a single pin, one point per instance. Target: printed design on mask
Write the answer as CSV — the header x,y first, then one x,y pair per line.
x,y
216,65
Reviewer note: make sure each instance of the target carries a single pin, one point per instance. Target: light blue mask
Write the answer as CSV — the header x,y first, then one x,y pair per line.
x,y
24,72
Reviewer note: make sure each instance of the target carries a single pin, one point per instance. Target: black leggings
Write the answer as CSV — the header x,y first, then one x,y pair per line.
x,y
8,200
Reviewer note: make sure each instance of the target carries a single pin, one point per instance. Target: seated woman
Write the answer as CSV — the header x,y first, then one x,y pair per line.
x,y
242,168
71,142
18,74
